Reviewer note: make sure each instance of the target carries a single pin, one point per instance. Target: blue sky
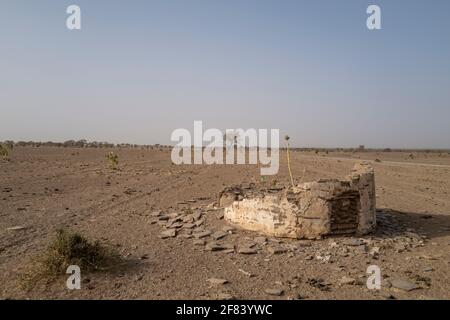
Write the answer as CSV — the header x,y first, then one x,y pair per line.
x,y
140,69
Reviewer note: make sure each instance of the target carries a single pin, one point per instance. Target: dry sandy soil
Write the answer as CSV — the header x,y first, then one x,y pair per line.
x,y
43,189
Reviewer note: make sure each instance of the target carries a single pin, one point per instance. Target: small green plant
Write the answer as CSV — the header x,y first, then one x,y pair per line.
x,y
286,138
113,160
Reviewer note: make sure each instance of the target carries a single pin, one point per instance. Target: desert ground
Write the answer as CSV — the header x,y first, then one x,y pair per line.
x,y
47,188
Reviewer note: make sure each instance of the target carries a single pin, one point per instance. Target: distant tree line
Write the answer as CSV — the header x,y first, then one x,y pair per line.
x,y
96,144
80,144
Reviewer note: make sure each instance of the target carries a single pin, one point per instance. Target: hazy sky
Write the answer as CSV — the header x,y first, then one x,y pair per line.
x,y
140,69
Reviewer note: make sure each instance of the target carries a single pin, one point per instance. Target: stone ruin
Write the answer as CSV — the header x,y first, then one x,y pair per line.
x,y
310,210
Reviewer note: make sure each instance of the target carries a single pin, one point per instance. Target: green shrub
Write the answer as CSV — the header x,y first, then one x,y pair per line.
x,y
5,150
113,160
70,248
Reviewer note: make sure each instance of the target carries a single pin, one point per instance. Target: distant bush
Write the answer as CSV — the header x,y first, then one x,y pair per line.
x,y
6,149
113,160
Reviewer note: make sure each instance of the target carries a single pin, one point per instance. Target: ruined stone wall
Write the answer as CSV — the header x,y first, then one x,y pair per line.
x,y
310,210
362,179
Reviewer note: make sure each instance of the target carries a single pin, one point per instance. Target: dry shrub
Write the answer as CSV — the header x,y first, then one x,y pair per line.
x,y
68,248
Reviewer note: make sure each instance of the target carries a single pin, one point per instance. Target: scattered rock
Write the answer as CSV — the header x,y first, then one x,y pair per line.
x,y
274,292
174,225
248,274
214,247
246,250
354,242
304,243
374,252
347,281
171,233
199,242
201,235
276,250
404,285
324,258
156,213
197,215
260,240
225,296
215,281
387,295
198,223
16,228
219,235
185,236
319,284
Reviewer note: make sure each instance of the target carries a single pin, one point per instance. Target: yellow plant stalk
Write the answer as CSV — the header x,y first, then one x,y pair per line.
x,y
289,160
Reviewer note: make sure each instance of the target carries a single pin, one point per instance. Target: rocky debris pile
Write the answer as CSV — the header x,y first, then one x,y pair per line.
x,y
205,229
191,224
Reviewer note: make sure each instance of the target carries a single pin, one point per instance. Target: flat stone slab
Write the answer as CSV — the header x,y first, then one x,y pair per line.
x,y
274,292
404,285
247,250
16,228
354,242
198,223
216,281
172,233
347,280
203,234
214,247
219,235
277,250
199,242
197,215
